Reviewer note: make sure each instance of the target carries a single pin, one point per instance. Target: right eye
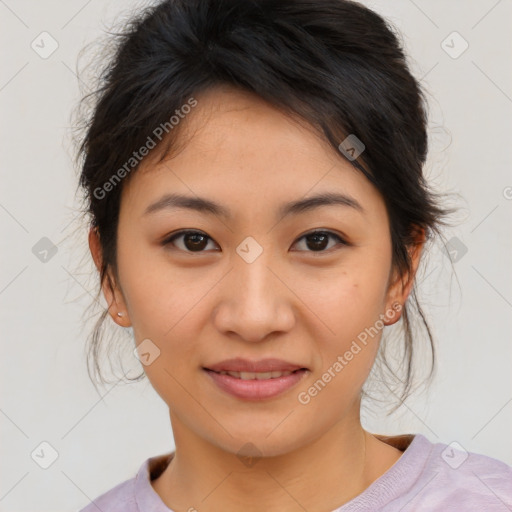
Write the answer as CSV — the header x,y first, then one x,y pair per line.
x,y
189,241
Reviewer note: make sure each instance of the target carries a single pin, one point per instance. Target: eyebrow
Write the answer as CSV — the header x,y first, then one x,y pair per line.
x,y
202,205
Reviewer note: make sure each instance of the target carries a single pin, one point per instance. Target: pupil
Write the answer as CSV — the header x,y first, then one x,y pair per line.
x,y
197,243
317,244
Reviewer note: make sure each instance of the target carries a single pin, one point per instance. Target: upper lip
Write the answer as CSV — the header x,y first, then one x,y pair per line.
x,y
263,365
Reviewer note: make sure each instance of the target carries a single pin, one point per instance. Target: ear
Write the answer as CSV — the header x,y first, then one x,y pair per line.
x,y
401,286
111,291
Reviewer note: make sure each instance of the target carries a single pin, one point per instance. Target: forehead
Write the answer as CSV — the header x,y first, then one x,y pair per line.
x,y
228,123
234,144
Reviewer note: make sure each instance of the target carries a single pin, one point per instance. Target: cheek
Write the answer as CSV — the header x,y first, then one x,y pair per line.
x,y
349,302
167,307
157,294
349,298
346,346
351,312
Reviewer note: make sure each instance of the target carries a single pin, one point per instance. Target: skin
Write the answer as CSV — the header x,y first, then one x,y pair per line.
x,y
293,302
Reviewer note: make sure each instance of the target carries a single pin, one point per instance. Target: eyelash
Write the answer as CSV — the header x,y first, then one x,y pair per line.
x,y
170,240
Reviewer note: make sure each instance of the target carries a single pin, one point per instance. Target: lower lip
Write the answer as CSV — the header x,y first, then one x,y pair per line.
x,y
256,389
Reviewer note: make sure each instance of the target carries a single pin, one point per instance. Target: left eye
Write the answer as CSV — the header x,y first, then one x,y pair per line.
x,y
319,240
195,241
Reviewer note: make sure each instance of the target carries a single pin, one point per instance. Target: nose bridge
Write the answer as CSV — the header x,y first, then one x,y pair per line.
x,y
252,269
255,278
256,300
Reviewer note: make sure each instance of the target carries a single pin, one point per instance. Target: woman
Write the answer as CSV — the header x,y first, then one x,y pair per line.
x,y
253,173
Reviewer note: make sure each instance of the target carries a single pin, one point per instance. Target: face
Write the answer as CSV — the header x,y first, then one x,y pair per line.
x,y
253,280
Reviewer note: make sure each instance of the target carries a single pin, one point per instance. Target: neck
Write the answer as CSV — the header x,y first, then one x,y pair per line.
x,y
320,475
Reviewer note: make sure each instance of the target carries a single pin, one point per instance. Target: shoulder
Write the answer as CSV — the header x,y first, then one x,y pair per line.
x,y
120,498
135,494
454,477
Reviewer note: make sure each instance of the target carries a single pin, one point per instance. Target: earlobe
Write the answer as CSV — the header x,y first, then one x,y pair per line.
x,y
121,318
113,295
393,314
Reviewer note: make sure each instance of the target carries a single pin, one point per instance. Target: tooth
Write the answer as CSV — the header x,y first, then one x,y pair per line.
x,y
264,375
256,375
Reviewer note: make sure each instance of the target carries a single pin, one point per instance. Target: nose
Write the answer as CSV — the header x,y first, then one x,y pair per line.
x,y
254,301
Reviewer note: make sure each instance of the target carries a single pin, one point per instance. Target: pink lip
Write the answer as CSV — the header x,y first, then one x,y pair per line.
x,y
244,365
255,389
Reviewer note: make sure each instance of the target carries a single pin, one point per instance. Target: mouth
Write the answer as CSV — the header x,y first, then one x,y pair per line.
x,y
257,375
252,385
239,366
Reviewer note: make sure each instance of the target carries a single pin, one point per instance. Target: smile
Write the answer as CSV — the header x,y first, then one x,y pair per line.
x,y
256,375
255,385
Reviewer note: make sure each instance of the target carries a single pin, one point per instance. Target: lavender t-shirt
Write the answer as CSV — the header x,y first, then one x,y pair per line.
x,y
427,477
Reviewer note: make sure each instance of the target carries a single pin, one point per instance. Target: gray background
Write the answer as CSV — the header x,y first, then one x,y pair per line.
x,y
102,440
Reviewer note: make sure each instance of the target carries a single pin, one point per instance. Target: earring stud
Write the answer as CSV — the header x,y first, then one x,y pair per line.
x,y
119,313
